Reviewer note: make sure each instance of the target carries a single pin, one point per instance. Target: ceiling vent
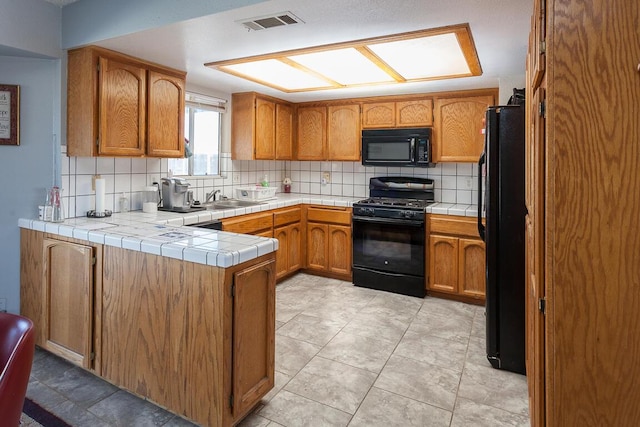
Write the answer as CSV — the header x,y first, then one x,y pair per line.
x,y
270,21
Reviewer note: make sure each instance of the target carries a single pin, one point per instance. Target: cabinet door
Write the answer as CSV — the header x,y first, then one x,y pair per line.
x,y
253,335
165,119
122,100
343,132
414,113
458,128
443,263
312,123
68,300
471,275
379,115
282,254
317,246
284,132
339,249
294,245
265,130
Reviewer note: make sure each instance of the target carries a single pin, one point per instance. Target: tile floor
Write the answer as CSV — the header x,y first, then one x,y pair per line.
x,y
345,356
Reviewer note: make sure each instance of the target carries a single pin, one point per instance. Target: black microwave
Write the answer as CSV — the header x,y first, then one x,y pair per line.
x,y
397,147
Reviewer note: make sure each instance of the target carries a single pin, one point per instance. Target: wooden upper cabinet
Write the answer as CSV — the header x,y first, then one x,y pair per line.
x,y
378,115
261,128
122,108
118,105
329,132
284,132
458,128
312,136
165,122
343,132
412,113
265,123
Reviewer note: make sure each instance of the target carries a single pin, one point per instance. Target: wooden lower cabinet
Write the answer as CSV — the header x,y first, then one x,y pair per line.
x,y
195,339
288,256
329,241
58,294
259,224
456,258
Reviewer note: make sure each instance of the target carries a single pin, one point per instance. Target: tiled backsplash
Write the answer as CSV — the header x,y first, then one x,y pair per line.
x,y
454,182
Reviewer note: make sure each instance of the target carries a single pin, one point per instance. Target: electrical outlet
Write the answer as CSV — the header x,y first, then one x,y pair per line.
x,y
326,178
236,178
3,305
468,183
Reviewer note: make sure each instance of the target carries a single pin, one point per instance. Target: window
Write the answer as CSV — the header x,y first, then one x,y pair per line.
x,y
202,130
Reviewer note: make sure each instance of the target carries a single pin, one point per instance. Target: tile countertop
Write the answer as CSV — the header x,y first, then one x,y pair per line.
x,y
166,234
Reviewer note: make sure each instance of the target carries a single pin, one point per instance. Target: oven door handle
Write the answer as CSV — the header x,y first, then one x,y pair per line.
x,y
386,273
373,220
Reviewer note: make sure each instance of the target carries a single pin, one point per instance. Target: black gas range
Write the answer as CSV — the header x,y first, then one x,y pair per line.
x,y
389,235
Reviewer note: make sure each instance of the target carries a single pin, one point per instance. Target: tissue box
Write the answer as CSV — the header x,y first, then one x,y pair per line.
x,y
255,193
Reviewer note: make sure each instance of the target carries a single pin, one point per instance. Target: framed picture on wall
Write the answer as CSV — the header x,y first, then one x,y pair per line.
x,y
9,114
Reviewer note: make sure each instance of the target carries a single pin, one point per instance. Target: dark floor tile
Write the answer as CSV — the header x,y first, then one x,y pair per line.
x,y
124,409
81,387
44,395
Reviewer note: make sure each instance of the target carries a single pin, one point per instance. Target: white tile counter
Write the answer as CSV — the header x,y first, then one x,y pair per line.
x,y
167,233
453,209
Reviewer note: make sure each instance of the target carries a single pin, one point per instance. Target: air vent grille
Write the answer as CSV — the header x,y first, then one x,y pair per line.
x,y
275,20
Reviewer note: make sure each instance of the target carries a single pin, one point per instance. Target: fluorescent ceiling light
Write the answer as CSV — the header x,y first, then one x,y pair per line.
x,y
440,53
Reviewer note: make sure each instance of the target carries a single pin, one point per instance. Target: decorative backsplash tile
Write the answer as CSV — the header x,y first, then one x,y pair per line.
x,y
454,182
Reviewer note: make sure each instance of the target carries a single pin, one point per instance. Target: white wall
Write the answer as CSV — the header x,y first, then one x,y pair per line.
x,y
26,170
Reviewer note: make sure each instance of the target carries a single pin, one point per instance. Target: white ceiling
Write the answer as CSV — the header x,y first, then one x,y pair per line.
x,y
500,30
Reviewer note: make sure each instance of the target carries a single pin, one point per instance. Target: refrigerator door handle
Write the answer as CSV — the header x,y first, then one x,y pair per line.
x,y
481,227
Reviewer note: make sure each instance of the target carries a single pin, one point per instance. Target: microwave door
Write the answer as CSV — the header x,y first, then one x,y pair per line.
x,y
383,151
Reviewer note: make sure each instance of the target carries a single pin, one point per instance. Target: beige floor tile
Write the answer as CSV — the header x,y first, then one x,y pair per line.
x,y
452,327
494,387
332,383
468,413
373,325
383,409
447,307
311,329
292,354
434,350
420,381
291,410
358,351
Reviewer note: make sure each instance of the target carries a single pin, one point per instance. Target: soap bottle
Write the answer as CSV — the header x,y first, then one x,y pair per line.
x,y
265,181
123,202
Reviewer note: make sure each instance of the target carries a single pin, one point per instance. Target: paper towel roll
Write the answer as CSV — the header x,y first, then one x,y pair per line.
x,y
99,195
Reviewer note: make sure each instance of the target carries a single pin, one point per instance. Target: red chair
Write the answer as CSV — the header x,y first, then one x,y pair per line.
x,y
17,345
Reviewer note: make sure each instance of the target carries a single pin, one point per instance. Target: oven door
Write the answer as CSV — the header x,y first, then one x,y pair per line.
x,y
389,245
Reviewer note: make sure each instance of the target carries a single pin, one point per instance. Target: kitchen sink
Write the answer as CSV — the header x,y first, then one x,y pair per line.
x,y
229,204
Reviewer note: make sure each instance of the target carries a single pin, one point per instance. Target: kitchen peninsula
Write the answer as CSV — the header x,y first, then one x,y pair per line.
x,y
182,316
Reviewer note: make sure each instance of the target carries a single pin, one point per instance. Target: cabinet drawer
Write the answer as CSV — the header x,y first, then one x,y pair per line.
x,y
329,214
249,224
286,216
457,225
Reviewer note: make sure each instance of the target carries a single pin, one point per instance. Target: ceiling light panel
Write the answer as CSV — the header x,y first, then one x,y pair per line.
x,y
345,66
275,73
437,53
425,57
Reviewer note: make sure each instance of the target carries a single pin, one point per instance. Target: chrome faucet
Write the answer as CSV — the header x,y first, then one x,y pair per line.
x,y
212,195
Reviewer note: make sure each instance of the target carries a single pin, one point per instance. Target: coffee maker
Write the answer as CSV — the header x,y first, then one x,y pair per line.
x,y
176,195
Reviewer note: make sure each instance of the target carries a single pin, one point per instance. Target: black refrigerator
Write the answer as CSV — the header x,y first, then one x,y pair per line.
x,y
503,205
